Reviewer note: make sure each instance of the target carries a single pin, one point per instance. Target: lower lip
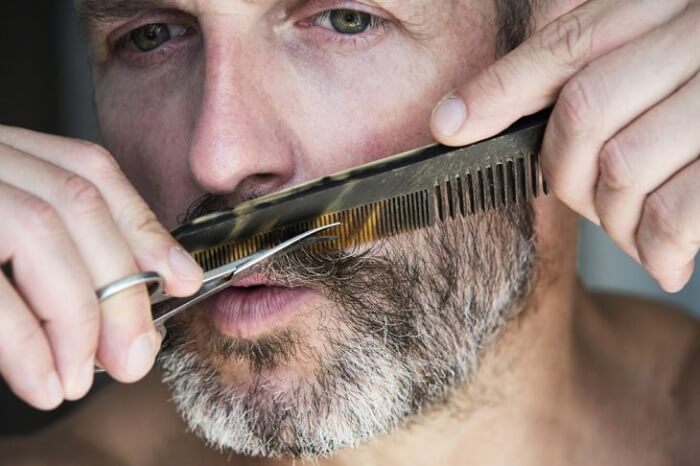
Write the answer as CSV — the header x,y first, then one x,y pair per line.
x,y
252,312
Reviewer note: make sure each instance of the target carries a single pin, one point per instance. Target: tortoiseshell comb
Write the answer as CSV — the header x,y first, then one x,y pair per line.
x,y
397,194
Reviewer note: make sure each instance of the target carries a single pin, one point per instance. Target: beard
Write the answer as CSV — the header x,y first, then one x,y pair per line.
x,y
403,325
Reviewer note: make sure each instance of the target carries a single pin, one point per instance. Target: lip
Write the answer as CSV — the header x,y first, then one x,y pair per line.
x,y
255,306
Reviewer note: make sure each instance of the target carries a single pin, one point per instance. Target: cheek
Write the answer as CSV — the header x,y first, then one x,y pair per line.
x,y
362,108
146,125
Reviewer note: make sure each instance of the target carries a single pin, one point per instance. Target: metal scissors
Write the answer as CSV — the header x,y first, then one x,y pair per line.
x,y
165,307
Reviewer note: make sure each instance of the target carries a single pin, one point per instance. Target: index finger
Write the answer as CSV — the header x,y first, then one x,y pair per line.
x,y
153,247
530,77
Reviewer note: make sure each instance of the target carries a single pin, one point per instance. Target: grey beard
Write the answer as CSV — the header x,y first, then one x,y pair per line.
x,y
410,320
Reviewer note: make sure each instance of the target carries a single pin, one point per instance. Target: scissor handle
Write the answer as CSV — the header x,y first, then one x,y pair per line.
x,y
152,280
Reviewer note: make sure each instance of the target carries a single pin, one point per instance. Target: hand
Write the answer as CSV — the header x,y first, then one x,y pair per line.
x,y
71,223
622,145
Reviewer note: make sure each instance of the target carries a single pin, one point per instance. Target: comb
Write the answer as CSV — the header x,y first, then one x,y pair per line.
x,y
387,197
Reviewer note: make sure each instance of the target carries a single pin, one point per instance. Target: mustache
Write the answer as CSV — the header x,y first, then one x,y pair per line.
x,y
212,204
302,267
204,205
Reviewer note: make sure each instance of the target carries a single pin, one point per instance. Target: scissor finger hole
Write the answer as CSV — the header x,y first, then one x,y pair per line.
x,y
152,280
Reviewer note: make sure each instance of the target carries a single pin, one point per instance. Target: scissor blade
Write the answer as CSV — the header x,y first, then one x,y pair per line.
x,y
221,278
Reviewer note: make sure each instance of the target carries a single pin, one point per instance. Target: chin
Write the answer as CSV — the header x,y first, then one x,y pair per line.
x,y
287,381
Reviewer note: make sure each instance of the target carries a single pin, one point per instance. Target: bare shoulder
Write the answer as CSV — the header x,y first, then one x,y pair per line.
x,y
122,425
657,330
663,343
53,450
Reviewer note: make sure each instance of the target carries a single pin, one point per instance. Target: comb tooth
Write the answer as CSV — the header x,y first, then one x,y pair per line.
x,y
510,182
445,200
471,192
449,193
534,175
419,210
412,210
520,185
386,216
392,215
362,223
439,208
542,183
455,195
527,177
371,230
431,207
461,201
396,215
447,197
396,221
500,185
449,201
404,214
480,190
380,221
356,221
490,188
406,209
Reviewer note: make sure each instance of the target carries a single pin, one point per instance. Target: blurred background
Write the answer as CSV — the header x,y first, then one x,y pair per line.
x,y
45,85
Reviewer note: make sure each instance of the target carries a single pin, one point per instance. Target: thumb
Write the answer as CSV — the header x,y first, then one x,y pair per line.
x,y
530,77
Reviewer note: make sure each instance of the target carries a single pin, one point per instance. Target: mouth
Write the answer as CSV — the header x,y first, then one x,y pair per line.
x,y
255,306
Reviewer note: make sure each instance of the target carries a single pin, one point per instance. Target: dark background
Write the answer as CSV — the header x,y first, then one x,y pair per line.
x,y
44,85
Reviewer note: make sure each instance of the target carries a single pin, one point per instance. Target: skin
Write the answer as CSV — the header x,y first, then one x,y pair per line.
x,y
620,374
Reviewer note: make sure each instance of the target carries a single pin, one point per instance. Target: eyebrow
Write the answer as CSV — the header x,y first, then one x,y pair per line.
x,y
92,12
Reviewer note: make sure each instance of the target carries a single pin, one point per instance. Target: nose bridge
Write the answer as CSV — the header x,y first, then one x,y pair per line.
x,y
239,137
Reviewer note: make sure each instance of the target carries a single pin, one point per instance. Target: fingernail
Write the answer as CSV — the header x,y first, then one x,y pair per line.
x,y
183,265
449,116
54,390
77,387
141,354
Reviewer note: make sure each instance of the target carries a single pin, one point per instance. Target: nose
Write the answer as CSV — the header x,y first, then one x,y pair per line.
x,y
241,146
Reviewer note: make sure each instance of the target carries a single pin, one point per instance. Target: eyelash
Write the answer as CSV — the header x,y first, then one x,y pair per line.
x,y
123,45
375,21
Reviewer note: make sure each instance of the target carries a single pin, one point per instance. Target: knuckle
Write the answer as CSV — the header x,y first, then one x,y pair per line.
x,y
615,173
38,215
569,40
497,79
85,314
577,111
140,219
97,159
661,220
26,338
81,195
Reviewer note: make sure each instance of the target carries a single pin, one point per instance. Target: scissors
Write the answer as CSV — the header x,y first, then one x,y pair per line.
x,y
164,307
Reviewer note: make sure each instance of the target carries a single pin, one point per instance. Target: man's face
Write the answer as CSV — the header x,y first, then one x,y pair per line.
x,y
233,99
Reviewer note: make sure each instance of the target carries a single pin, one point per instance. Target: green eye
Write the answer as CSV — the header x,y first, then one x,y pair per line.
x,y
350,21
150,37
